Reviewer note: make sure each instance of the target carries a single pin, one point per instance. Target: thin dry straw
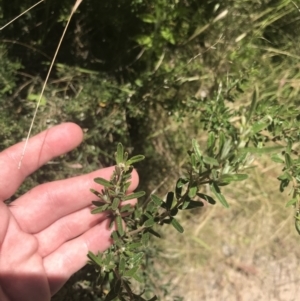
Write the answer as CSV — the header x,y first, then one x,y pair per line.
x,y
46,80
296,6
24,12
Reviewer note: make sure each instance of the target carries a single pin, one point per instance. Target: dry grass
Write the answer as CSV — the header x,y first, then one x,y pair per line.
x,y
247,252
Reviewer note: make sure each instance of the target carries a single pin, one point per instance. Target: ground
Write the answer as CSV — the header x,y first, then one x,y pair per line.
x,y
247,252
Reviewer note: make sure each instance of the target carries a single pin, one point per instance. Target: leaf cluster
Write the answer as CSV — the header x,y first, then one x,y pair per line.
x,y
219,165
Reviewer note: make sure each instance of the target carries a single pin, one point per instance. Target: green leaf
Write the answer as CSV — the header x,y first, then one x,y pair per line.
x,y
193,159
145,238
36,98
255,150
131,272
193,191
207,198
288,160
181,182
95,259
179,185
192,204
126,186
115,204
103,182
185,203
222,140
169,200
122,264
167,34
119,223
216,190
259,126
125,156
148,215
291,202
126,208
138,279
135,159
214,174
147,18
151,207
196,148
100,209
275,158
225,149
157,201
136,258
134,195
210,161
253,103
233,177
144,40
285,176
211,140
134,245
178,191
176,225
119,154
96,193
115,236
149,223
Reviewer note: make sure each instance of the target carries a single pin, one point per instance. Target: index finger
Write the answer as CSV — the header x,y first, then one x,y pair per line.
x,y
41,148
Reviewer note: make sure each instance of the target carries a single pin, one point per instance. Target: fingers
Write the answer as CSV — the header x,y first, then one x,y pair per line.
x,y
47,203
21,268
66,229
72,256
40,149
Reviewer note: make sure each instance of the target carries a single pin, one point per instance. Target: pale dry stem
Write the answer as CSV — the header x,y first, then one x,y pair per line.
x,y
75,7
24,12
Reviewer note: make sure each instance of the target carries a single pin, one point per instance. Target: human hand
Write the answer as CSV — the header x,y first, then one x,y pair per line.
x,y
46,234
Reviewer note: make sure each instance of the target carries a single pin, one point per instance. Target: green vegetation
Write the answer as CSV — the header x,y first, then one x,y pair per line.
x,y
200,89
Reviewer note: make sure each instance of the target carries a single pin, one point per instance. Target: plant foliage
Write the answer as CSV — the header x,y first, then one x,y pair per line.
x,y
218,81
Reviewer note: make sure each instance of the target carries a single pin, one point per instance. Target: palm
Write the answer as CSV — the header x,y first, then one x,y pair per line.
x,y
46,234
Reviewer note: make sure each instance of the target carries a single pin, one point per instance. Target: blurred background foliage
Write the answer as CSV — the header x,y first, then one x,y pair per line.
x,y
150,74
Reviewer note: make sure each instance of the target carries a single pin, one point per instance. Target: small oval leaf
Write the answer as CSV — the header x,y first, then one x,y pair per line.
x,y
119,223
149,223
196,148
291,202
103,182
134,195
216,190
157,201
119,154
210,161
233,177
176,225
135,159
